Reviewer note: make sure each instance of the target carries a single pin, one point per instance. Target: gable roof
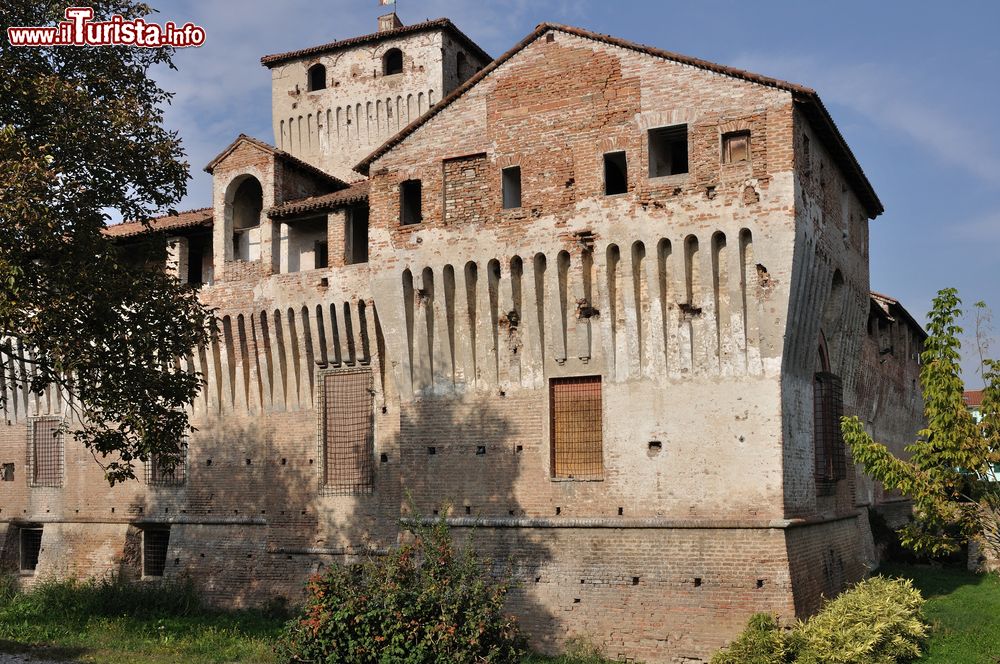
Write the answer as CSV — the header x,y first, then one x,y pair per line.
x,y
807,99
437,24
170,222
279,154
356,193
890,306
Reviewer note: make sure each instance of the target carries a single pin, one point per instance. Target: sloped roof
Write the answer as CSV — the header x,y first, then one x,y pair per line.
x,y
973,398
187,219
807,98
891,306
354,194
436,24
278,153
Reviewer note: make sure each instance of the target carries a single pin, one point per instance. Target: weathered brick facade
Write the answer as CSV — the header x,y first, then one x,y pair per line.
x,y
699,298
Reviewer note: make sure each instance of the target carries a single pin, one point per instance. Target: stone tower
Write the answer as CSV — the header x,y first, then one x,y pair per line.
x,y
333,104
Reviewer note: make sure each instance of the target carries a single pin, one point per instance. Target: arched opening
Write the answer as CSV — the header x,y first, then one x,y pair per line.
x,y
245,206
317,77
392,62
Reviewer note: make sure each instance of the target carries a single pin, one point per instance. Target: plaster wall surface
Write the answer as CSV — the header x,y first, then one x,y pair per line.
x,y
699,300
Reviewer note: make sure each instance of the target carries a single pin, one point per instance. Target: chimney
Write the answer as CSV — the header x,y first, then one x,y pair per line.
x,y
388,22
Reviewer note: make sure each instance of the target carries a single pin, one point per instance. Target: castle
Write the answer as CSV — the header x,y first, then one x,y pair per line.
x,y
602,303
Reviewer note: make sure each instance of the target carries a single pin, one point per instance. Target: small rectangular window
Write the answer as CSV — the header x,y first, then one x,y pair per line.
x,y
31,546
154,550
735,147
356,237
347,428
668,151
575,421
410,203
7,473
511,181
45,449
321,254
615,173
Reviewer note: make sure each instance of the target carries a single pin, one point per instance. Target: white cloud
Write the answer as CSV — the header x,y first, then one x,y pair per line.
x,y
890,98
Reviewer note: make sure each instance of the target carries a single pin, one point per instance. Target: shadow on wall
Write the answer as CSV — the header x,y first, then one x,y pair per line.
x,y
248,524
463,459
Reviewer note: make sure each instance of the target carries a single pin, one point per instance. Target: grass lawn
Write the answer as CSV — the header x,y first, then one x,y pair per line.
x,y
963,610
125,624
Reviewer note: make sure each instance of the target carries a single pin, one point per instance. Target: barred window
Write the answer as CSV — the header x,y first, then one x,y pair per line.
x,y
154,550
828,408
45,451
31,546
347,431
575,423
158,475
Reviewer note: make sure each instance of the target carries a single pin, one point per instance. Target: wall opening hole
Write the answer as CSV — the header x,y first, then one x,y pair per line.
x,y
615,173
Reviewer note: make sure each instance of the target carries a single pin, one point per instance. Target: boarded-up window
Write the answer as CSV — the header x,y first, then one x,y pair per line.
x,y
31,546
576,427
348,431
735,147
45,451
154,550
828,407
159,473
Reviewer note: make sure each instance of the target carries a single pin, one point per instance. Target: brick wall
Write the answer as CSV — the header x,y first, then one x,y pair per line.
x,y
697,298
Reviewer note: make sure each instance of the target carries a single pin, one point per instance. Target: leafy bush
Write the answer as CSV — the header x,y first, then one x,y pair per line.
x,y
426,601
762,642
876,622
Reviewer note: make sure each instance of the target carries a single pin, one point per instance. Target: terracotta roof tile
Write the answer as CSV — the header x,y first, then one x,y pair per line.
x,y
354,194
973,397
440,23
188,219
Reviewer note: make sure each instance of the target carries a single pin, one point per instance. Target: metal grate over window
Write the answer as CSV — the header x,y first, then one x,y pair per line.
x,y
348,431
31,546
158,475
576,427
45,451
154,550
828,408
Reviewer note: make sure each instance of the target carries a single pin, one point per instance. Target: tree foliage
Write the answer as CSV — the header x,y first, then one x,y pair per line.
x,y
878,621
949,473
427,601
81,137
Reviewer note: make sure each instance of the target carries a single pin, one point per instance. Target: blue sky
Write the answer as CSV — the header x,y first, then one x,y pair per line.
x,y
912,85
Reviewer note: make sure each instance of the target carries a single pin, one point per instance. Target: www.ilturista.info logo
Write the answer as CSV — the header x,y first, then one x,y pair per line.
x,y
79,30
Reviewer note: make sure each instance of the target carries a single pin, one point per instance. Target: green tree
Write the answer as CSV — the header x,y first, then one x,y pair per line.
x,y
81,136
949,471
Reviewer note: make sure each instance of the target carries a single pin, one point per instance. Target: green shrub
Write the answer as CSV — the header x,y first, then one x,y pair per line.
x,y
427,601
878,621
762,642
